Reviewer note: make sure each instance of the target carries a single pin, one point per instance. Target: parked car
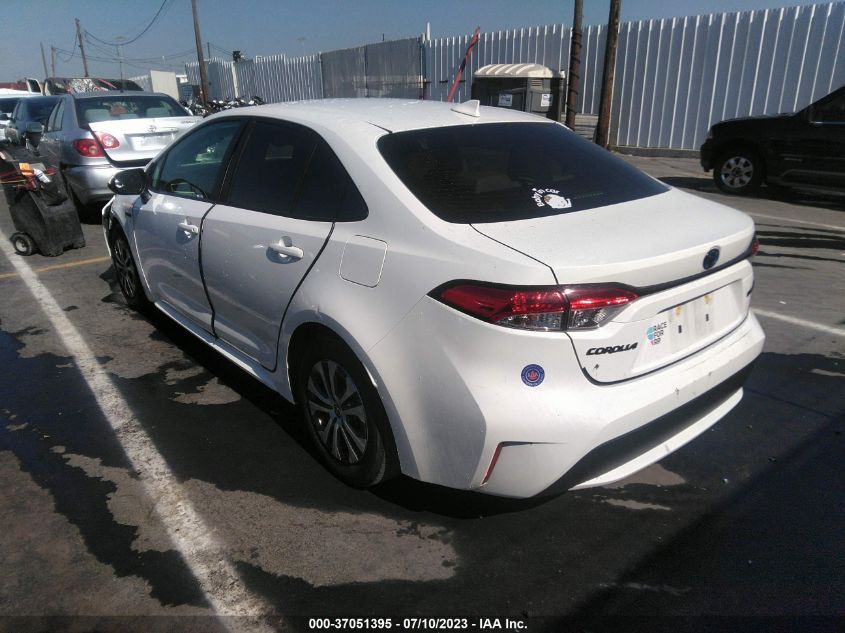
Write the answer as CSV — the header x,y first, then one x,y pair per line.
x,y
804,150
475,297
8,100
91,136
30,110
63,85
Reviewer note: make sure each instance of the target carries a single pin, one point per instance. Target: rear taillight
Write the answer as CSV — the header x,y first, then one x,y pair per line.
x,y
107,140
88,147
540,309
590,308
755,246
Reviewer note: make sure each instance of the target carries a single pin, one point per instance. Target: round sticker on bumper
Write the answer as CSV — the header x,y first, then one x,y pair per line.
x,y
532,375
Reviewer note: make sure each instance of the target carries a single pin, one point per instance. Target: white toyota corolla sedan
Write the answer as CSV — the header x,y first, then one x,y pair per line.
x,y
471,296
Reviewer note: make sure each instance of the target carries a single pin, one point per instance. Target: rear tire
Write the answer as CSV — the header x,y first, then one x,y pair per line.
x,y
344,415
23,243
127,273
739,171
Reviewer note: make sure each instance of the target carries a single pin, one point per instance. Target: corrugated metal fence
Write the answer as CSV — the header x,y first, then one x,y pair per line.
x,y
674,76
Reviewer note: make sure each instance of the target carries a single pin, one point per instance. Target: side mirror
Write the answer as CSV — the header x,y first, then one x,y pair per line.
x,y
34,131
4,116
129,182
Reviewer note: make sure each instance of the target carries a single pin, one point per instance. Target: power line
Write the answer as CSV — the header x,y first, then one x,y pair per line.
x,y
137,37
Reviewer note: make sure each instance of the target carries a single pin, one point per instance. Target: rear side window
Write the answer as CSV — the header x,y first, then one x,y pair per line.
x,y
328,193
55,121
271,167
497,172
126,106
193,167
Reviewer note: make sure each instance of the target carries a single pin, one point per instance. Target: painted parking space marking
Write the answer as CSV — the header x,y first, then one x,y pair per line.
x,y
819,327
201,551
44,269
820,225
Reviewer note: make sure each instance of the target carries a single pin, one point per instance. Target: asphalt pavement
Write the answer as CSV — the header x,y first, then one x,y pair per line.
x,y
149,484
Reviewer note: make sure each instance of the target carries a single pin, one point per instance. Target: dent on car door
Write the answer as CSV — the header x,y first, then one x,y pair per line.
x,y
167,226
285,193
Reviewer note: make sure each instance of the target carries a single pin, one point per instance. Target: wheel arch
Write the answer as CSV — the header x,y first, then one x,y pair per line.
x,y
397,442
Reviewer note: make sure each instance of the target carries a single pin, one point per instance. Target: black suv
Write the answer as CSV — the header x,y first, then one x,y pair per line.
x,y
805,150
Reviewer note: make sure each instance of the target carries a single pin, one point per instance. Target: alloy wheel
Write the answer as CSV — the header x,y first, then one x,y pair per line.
x,y
125,268
737,172
336,410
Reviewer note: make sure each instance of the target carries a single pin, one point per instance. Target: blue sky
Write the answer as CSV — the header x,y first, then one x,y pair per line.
x,y
261,27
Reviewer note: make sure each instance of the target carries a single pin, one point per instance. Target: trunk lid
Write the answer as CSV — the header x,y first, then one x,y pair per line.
x,y
657,245
141,139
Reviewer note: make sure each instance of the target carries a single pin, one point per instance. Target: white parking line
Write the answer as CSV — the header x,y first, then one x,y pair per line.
x,y
827,329
188,532
800,222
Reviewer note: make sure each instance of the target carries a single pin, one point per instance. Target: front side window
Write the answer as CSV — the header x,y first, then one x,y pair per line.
x,y
498,172
193,167
832,111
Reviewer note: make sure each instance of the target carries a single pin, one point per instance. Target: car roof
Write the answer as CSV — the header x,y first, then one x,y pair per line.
x,y
391,115
99,94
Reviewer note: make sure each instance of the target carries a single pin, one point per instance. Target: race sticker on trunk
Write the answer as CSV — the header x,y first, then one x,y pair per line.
x,y
550,198
655,332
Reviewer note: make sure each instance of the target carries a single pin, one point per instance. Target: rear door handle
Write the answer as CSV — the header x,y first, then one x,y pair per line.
x,y
186,226
288,251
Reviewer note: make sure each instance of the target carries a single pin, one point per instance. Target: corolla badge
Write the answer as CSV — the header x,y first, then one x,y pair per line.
x,y
711,258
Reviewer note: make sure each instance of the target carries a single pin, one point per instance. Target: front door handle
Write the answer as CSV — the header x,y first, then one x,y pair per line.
x,y
288,251
186,226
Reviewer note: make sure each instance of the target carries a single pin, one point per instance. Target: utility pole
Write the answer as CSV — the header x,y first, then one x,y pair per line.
x,y
43,58
602,129
53,60
81,47
208,49
203,77
574,65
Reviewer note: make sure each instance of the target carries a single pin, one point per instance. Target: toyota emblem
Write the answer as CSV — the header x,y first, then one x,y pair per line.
x,y
711,258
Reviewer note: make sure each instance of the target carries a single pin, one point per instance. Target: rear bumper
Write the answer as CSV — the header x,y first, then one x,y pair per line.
x,y
90,182
453,391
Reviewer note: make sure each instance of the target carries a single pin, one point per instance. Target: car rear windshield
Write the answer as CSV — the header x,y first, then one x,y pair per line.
x,y
497,172
122,106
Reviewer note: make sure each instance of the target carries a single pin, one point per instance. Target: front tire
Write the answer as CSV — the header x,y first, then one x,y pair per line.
x,y
127,273
344,415
739,172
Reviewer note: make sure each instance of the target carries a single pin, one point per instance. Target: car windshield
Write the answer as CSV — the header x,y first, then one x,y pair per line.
x,y
8,104
123,106
497,172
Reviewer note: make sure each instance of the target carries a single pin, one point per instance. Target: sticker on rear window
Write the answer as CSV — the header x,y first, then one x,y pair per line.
x,y
550,198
